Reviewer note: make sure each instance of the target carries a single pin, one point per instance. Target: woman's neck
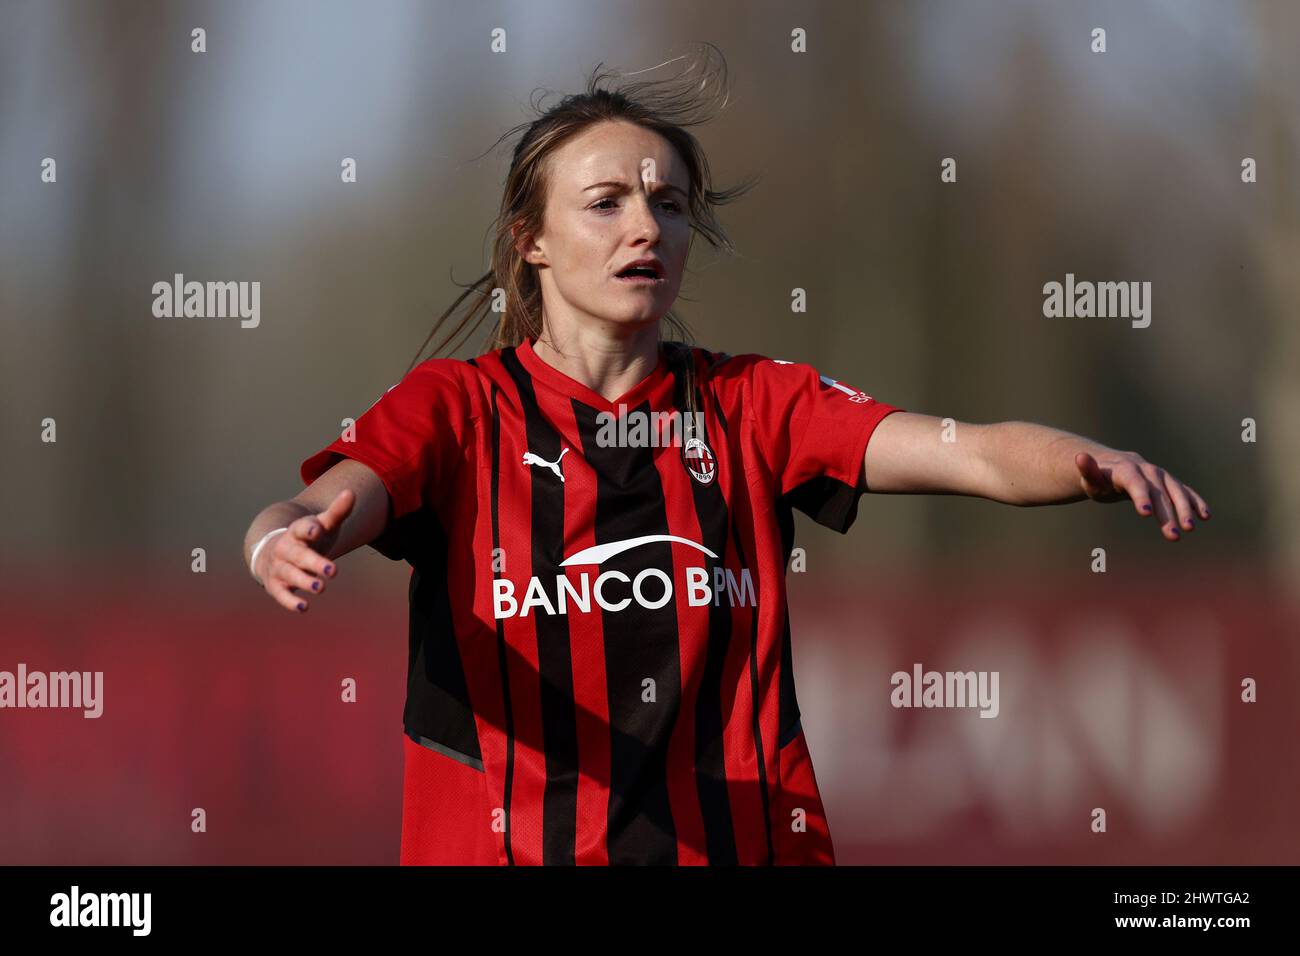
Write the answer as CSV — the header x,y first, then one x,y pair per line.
x,y
610,361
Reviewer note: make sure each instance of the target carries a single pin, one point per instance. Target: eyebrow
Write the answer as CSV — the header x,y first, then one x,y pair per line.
x,y
623,187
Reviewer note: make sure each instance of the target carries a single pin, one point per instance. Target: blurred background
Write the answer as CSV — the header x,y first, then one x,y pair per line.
x,y
1119,690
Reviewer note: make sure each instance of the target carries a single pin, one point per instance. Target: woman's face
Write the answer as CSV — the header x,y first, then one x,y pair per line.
x,y
618,193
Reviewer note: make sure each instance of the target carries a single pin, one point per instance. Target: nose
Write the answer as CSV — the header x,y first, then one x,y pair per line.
x,y
645,225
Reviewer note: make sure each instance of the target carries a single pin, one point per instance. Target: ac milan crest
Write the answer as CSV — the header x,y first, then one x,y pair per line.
x,y
699,460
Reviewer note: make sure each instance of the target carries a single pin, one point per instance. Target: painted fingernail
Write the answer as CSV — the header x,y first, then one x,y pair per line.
x,y
301,606
1146,507
329,569
315,585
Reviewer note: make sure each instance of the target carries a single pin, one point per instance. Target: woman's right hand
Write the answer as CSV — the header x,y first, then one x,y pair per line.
x,y
297,559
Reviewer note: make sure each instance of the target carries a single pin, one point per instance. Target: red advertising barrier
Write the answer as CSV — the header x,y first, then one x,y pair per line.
x,y
1120,697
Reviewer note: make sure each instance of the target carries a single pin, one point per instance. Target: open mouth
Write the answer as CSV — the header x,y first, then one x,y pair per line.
x,y
639,275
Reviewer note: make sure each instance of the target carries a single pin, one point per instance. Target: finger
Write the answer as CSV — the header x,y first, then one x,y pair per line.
x,y
304,558
339,509
1132,483
307,528
1182,502
296,577
283,596
307,533
1202,508
1160,498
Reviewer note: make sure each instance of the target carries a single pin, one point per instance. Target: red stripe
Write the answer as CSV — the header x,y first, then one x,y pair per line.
x,y
514,506
476,632
763,548
740,759
800,831
445,812
586,642
739,756
763,558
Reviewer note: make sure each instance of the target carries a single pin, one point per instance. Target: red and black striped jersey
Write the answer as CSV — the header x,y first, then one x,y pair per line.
x,y
600,667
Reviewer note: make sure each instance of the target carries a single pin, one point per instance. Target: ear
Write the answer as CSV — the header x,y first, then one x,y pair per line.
x,y
527,247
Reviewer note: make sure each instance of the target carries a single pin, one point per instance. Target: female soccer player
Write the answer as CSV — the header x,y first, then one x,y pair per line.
x,y
598,522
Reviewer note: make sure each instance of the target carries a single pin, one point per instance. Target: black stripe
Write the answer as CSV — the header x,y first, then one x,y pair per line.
x,y
788,737
710,766
788,707
554,656
754,693
501,633
828,501
640,644
722,418
437,695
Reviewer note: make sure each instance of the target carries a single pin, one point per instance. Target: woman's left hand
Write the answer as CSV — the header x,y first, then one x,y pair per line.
x,y
1116,475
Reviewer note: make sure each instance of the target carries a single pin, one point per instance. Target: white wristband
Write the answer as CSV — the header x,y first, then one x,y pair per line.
x,y
252,561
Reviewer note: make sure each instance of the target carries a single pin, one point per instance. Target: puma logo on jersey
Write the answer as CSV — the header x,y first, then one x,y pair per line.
x,y
531,459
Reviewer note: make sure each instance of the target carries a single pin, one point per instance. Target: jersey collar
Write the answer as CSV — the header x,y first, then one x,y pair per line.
x,y
571,387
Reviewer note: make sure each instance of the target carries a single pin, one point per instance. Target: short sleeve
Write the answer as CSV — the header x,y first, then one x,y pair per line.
x,y
814,431
412,437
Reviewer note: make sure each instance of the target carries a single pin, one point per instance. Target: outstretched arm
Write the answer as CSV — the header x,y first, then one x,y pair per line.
x,y
1020,463
343,509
